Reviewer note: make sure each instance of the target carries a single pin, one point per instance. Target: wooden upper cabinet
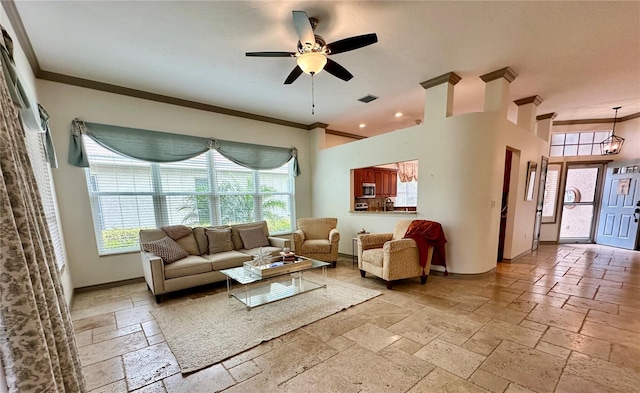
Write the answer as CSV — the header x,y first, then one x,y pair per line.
x,y
357,183
393,183
368,175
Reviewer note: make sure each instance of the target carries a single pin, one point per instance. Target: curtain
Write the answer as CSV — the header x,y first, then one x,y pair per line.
x,y
407,171
37,342
155,146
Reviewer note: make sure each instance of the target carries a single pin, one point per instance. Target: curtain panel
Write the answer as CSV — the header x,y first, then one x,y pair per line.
x,y
37,342
156,146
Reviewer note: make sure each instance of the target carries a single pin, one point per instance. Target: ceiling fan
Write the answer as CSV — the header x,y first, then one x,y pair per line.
x,y
313,50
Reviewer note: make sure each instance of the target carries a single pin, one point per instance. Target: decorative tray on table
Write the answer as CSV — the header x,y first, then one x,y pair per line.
x,y
278,266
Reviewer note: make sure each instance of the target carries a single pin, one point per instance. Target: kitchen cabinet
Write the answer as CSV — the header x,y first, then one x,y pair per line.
x,y
357,183
386,182
384,179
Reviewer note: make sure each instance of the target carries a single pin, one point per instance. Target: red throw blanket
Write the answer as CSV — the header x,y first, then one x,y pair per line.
x,y
428,234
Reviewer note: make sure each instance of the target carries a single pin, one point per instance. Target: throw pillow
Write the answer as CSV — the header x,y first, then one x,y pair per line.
x,y
176,231
166,248
253,238
219,240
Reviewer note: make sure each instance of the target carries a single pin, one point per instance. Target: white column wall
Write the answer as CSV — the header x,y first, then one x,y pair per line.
x,y
461,165
65,102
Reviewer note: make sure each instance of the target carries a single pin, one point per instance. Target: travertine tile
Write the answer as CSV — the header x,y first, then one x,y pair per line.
x,y
158,338
554,350
508,331
372,337
415,328
93,322
573,384
618,321
115,387
515,388
522,305
528,367
406,345
482,343
150,364
600,282
101,309
451,358
552,316
134,316
407,361
111,348
156,387
340,343
501,313
534,325
598,370
489,381
578,342
84,338
103,373
440,381
626,356
580,290
620,300
245,371
97,337
210,379
151,328
552,301
593,304
611,334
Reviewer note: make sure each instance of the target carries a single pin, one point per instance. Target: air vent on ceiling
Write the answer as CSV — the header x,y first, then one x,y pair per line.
x,y
368,98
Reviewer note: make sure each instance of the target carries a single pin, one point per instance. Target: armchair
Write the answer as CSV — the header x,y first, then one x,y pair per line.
x,y
390,257
317,238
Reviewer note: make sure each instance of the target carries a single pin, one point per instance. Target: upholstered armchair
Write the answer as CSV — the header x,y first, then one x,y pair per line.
x,y
390,257
317,238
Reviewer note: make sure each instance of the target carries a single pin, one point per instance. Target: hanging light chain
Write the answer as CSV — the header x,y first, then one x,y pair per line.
x,y
313,100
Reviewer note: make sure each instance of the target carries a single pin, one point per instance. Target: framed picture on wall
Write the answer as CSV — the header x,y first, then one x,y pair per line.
x,y
531,180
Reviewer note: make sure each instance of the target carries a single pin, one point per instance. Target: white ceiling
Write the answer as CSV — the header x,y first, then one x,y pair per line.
x,y
582,58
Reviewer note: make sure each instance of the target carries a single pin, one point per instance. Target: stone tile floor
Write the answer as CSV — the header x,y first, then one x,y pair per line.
x,y
563,319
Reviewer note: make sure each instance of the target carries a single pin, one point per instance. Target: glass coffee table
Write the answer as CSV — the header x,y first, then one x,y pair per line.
x,y
260,290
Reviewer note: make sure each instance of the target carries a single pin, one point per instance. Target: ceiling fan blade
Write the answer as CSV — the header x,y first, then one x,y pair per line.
x,y
352,43
337,70
293,75
270,54
303,27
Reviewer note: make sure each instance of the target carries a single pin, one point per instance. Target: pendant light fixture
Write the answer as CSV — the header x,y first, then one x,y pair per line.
x,y
613,144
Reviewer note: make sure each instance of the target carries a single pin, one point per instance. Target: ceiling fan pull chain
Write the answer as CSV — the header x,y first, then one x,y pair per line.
x,y
313,101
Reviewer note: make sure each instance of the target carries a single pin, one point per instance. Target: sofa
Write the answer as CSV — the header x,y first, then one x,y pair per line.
x,y
179,257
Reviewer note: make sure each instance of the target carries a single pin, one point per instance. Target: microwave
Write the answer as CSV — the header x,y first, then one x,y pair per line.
x,y
368,190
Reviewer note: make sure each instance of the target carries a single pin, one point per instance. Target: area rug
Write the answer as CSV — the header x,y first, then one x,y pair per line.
x,y
205,331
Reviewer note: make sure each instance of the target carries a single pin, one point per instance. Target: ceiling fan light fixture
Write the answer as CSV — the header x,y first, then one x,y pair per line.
x,y
311,62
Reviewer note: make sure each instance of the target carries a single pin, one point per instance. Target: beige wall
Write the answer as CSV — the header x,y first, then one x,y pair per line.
x,y
461,165
65,102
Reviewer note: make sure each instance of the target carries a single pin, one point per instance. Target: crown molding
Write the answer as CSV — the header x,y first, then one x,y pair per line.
x,y
596,121
21,34
344,134
551,116
450,77
506,73
536,100
317,125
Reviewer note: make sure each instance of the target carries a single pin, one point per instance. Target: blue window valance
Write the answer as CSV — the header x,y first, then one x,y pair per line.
x,y
155,146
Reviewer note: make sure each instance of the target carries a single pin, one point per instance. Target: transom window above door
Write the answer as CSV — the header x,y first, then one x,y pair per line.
x,y
581,143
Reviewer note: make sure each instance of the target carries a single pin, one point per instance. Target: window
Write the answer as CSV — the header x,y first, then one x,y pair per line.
x,y
42,171
407,193
128,195
583,143
551,193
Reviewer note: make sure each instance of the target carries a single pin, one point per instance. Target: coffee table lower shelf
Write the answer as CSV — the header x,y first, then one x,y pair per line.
x,y
258,291
258,295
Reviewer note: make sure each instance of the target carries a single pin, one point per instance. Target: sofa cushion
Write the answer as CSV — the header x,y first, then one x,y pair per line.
x,y
373,256
219,240
176,231
188,266
201,238
316,246
253,238
183,235
274,251
235,234
227,259
166,248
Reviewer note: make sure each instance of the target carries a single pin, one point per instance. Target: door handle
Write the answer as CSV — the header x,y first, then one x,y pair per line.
x,y
636,214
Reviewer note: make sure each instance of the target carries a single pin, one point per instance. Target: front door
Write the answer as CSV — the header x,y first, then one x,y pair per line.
x,y
579,208
620,210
